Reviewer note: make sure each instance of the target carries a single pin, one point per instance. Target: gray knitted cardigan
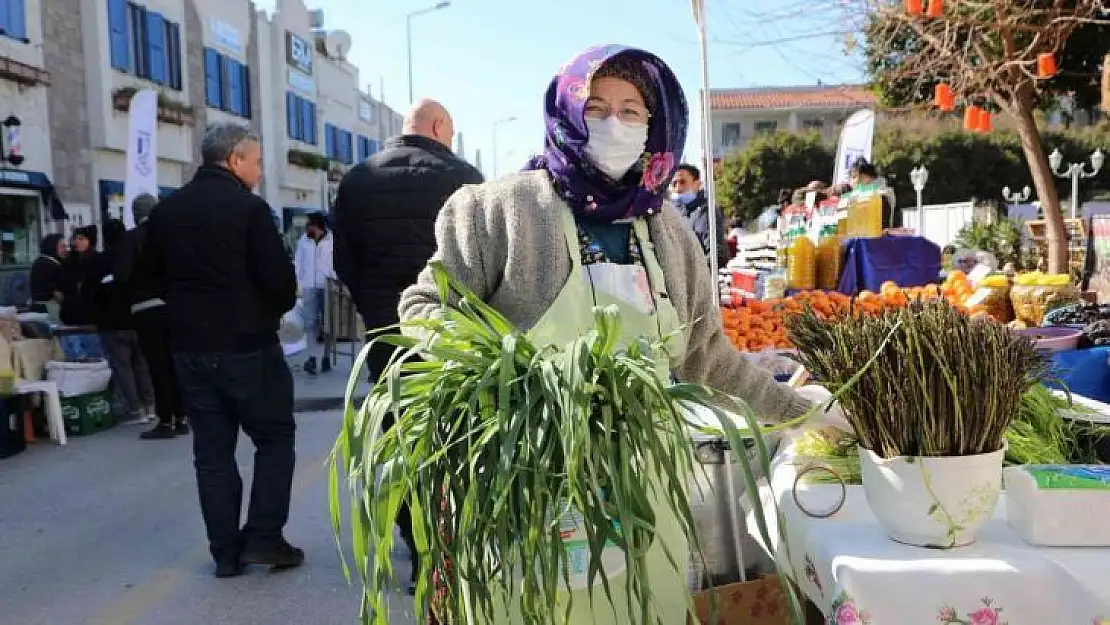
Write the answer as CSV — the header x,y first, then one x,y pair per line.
x,y
504,240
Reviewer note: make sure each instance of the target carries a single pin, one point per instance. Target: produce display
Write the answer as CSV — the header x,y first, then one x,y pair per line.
x,y
1035,294
756,325
1039,435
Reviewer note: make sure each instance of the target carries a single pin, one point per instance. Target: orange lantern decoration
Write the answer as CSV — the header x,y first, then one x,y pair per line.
x,y
971,118
986,121
944,98
915,7
936,8
1046,65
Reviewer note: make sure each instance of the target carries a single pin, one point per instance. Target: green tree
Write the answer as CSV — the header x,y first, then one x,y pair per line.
x,y
750,180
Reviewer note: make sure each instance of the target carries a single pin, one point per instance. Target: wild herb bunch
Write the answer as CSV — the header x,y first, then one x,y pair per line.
x,y
495,439
942,384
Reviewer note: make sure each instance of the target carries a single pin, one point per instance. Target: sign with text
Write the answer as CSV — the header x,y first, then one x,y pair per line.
x,y
366,110
298,52
142,151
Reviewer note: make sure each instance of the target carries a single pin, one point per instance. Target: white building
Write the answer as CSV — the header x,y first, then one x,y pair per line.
x,y
738,115
27,197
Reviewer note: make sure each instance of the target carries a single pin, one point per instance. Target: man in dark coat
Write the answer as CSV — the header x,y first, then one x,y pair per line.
x,y
384,224
689,197
227,281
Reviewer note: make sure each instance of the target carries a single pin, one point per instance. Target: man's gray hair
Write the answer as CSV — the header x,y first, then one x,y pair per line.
x,y
222,139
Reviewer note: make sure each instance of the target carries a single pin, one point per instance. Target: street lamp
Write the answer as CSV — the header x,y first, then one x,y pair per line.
x,y
1017,198
918,177
1075,171
504,120
408,35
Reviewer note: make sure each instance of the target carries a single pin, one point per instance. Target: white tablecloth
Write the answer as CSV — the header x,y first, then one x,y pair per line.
x,y
856,575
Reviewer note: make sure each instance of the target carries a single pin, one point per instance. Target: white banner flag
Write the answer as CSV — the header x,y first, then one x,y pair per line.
x,y
699,11
142,151
855,143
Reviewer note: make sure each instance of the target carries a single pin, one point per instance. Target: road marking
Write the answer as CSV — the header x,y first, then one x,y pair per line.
x,y
141,598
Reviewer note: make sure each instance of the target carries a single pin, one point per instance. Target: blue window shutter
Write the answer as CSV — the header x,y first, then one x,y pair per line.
x,y
231,78
212,78
292,115
313,128
156,47
173,54
16,23
245,81
329,141
308,122
348,147
117,35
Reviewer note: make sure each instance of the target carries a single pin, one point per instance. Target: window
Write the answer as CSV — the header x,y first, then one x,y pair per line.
x,y
366,148
13,19
19,229
338,144
144,43
300,118
730,135
765,127
813,124
227,84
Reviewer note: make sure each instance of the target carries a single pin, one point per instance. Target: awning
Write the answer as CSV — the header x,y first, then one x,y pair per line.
x,y
24,179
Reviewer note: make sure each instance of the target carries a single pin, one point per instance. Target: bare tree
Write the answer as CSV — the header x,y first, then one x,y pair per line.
x,y
987,51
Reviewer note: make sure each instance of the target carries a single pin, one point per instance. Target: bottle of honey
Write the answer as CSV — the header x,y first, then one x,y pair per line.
x,y
827,263
801,271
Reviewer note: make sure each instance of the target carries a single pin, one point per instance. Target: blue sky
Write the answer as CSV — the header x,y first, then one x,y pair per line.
x,y
487,60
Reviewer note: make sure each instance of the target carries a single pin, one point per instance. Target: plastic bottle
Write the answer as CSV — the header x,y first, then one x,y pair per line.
x,y
865,216
801,272
827,263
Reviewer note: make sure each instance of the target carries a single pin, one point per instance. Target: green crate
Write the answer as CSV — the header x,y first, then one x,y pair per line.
x,y
89,413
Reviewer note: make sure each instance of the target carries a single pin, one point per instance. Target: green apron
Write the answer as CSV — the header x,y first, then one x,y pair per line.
x,y
646,311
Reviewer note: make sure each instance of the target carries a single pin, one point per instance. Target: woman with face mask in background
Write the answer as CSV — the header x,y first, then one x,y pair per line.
x,y
585,225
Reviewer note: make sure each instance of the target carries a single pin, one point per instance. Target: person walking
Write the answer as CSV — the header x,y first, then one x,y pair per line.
x,y
384,224
112,316
151,323
313,260
215,252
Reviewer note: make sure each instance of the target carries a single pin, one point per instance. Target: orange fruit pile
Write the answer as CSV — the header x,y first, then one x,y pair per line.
x,y
757,325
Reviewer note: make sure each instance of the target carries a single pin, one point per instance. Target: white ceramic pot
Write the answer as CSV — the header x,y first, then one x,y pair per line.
x,y
932,502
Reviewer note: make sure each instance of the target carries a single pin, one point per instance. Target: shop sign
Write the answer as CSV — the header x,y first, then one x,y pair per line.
x,y
298,52
226,36
366,110
302,82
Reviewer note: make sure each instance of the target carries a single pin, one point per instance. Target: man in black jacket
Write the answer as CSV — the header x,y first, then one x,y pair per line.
x,y
689,196
384,225
227,281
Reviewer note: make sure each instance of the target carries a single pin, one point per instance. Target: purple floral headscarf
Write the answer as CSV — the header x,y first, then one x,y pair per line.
x,y
590,193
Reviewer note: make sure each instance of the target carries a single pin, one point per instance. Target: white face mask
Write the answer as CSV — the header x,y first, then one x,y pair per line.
x,y
615,146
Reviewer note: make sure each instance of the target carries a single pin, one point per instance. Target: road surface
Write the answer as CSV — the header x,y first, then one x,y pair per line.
x,y
107,531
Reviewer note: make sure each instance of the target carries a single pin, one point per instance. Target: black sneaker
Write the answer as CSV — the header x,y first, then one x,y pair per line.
x,y
181,428
325,365
282,556
161,431
310,366
229,568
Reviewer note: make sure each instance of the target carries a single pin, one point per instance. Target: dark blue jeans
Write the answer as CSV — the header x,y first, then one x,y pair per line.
x,y
252,391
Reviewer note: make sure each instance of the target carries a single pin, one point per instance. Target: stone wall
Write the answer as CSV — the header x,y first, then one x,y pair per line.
x,y
64,57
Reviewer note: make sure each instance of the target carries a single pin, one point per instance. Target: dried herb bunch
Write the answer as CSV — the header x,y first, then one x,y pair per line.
x,y
943,384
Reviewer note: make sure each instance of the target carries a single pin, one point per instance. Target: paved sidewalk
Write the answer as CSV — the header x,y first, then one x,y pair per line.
x,y
323,391
107,531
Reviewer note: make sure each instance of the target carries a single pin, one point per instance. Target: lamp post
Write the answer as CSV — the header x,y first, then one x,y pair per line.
x,y
408,35
1017,198
503,120
918,177
1075,171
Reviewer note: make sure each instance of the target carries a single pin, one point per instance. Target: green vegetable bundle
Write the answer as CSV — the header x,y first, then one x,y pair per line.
x,y
943,384
495,440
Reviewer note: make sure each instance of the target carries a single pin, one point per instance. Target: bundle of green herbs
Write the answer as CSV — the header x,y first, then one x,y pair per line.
x,y
496,441
943,384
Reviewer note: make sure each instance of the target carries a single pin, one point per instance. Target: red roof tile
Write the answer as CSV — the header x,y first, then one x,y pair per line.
x,y
832,96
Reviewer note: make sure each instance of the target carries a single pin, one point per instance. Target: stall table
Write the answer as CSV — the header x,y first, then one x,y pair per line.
x,y
848,567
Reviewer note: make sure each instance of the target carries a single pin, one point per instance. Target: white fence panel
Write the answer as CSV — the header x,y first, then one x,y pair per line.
x,y
942,221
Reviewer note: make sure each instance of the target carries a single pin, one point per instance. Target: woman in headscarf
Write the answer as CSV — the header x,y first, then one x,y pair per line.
x,y
47,275
588,224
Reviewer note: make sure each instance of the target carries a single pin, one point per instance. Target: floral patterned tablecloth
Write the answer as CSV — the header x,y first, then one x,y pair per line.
x,y
848,567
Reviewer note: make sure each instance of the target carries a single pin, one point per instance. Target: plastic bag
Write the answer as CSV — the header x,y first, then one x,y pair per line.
x,y
1032,302
79,378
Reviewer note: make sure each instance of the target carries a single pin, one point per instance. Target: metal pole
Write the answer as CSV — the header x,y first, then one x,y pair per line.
x,y
920,214
408,43
707,150
1076,171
